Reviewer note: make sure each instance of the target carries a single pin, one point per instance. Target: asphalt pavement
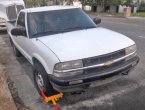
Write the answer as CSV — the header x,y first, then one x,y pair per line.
x,y
127,93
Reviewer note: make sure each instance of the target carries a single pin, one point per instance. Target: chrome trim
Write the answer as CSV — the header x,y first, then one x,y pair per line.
x,y
98,65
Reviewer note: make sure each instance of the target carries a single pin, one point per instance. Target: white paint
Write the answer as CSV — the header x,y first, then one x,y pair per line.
x,y
141,36
99,101
106,99
85,43
48,8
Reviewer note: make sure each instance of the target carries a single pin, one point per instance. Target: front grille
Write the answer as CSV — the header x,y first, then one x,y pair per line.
x,y
99,70
103,58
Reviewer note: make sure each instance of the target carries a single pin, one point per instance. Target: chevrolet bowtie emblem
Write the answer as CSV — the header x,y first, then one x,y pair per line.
x,y
108,63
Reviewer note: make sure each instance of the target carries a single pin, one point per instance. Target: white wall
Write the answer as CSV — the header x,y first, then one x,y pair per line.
x,y
135,10
77,4
87,8
121,8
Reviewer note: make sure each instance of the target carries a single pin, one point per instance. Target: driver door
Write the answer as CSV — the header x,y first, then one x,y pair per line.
x,y
22,42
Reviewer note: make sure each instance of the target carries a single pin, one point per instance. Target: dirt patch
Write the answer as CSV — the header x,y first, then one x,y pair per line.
x,y
3,53
6,101
18,102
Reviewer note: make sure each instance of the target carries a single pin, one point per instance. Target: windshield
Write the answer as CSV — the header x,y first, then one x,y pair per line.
x,y
58,21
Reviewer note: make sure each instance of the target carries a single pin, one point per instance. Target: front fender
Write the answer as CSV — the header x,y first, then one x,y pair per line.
x,y
42,61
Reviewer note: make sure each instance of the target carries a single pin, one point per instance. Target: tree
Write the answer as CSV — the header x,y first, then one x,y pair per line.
x,y
33,3
142,6
128,3
102,2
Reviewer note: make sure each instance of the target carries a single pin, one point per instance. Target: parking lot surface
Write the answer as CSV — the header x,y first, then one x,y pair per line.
x,y
127,93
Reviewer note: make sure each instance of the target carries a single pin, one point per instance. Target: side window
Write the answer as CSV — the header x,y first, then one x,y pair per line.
x,y
21,20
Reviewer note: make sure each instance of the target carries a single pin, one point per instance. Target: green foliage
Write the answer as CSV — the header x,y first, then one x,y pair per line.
x,y
139,14
68,2
142,6
119,14
114,2
34,3
128,3
102,2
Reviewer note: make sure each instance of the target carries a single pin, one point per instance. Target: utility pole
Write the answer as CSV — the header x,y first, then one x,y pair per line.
x,y
103,3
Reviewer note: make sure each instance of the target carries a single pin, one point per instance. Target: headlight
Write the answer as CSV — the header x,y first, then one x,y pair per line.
x,y
64,69
130,49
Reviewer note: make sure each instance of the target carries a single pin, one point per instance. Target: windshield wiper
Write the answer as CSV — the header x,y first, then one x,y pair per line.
x,y
77,27
89,27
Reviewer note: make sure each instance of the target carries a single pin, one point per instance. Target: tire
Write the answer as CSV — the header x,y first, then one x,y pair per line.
x,y
16,52
40,76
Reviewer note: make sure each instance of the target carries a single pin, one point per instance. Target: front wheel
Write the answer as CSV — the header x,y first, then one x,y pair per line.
x,y
41,80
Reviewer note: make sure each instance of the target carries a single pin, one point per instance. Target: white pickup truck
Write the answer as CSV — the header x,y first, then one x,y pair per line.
x,y
9,10
68,50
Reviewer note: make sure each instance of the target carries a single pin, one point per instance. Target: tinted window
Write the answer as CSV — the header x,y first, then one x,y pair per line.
x,y
21,20
58,21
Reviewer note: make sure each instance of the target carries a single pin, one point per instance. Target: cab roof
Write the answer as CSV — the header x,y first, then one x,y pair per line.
x,y
47,8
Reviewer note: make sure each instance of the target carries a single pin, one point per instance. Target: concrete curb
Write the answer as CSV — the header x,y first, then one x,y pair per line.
x,y
115,16
131,17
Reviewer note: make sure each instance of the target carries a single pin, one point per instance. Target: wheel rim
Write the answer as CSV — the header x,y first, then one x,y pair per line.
x,y
39,81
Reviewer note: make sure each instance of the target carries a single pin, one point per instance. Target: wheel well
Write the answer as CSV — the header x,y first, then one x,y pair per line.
x,y
35,61
11,40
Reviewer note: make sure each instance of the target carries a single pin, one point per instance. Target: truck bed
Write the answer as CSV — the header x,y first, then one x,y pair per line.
x,y
10,25
12,22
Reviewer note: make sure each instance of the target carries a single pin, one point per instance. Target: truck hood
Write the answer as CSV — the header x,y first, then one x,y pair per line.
x,y
85,43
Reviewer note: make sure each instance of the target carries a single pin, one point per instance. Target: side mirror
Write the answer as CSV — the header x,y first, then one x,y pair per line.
x,y
97,20
18,32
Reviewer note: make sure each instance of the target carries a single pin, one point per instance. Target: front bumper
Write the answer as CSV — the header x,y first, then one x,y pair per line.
x,y
84,81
